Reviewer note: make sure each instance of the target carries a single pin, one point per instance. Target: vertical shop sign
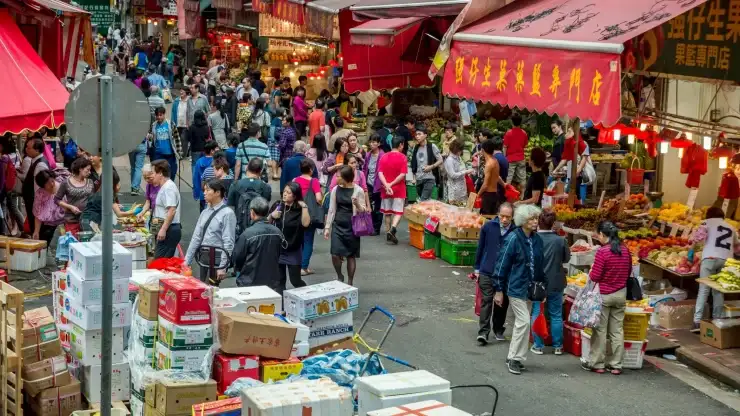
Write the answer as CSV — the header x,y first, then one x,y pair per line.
x,y
102,15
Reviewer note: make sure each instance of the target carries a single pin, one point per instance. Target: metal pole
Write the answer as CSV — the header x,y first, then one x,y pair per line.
x,y
573,194
106,141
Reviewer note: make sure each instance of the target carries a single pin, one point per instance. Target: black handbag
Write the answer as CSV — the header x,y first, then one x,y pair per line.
x,y
634,291
537,291
315,210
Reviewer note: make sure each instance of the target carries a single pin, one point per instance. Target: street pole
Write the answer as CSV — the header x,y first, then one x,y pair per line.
x,y
106,134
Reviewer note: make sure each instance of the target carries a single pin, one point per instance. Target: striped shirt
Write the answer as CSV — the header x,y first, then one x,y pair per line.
x,y
611,270
249,149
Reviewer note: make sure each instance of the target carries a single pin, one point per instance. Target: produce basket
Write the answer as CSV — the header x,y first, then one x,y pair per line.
x,y
458,233
634,351
433,241
635,326
635,176
416,236
585,257
458,252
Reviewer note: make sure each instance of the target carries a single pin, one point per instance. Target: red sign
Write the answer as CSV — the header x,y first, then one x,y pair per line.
x,y
579,84
288,11
431,224
261,6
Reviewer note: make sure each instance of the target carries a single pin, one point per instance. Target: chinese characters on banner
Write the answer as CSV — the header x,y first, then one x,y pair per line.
x,y
288,11
261,6
702,42
275,28
577,84
101,15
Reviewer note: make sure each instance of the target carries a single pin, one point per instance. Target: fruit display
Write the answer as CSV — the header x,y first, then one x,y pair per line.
x,y
640,233
584,219
448,214
538,141
579,279
636,201
676,259
674,212
729,277
562,209
580,248
647,247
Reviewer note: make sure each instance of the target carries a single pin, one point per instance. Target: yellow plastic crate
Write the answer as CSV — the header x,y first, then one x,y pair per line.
x,y
636,326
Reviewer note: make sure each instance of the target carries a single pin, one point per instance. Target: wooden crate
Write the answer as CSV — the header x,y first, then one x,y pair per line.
x,y
11,310
456,233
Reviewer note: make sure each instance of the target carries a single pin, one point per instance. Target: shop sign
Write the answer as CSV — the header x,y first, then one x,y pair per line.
x,y
170,9
273,27
702,42
288,11
579,84
322,23
261,6
101,14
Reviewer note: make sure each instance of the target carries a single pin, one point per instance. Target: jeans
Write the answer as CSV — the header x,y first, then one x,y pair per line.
x,y
171,75
375,209
309,234
555,311
167,247
610,329
491,315
709,267
171,159
136,159
424,189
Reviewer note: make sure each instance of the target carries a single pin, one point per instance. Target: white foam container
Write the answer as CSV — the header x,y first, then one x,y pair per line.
x,y
634,352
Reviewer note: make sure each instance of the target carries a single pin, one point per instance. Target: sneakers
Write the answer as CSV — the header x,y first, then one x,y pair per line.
x,y
482,340
558,351
695,328
515,367
585,366
499,336
135,191
521,366
392,236
536,350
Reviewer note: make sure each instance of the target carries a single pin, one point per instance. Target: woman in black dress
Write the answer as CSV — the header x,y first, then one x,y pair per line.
x,y
290,215
347,199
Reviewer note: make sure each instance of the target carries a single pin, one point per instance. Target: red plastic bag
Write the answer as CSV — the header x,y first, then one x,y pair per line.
x,y
427,254
469,184
172,264
478,299
539,327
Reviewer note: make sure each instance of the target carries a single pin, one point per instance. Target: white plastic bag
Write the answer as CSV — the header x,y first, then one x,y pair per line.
x,y
586,310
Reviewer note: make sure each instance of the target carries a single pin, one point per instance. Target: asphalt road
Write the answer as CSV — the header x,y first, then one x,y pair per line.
x,y
436,330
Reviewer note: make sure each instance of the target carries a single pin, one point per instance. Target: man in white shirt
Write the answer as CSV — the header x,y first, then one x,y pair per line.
x,y
166,215
246,88
32,164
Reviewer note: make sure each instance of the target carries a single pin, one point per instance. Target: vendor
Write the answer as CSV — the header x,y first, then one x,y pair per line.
x,y
93,212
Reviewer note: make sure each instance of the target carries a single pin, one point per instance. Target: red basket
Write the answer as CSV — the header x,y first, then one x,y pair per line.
x,y
635,176
512,194
572,339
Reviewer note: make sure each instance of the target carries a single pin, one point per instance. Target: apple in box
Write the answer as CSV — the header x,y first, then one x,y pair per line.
x,y
185,301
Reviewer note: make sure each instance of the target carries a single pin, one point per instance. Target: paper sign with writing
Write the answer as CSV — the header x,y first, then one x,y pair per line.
x,y
674,230
601,200
686,232
431,224
662,227
725,205
692,198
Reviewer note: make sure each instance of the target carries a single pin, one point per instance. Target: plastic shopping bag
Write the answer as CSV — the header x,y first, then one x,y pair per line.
x,y
427,254
586,310
63,246
539,327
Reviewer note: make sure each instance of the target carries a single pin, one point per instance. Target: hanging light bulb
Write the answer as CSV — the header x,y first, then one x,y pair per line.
x,y
723,162
292,74
155,23
663,147
295,63
643,127
630,139
617,134
707,143
689,135
680,153
148,20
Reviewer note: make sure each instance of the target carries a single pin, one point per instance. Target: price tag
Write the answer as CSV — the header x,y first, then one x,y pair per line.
x,y
686,232
725,205
662,227
601,200
627,190
692,198
674,230
431,224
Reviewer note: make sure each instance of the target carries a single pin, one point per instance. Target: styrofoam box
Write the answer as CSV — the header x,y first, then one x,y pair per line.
x,y
145,330
300,349
181,359
91,317
120,382
260,299
634,352
397,389
329,329
87,346
315,397
138,257
87,260
654,301
425,408
732,308
137,406
143,355
26,261
302,331
147,277
323,299
90,292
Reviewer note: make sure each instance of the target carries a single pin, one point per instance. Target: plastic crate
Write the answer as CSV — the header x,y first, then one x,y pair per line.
x,y
635,326
572,341
416,236
634,351
432,240
412,196
458,252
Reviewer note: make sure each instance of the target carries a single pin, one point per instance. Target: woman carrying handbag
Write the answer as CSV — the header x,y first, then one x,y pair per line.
x,y
346,209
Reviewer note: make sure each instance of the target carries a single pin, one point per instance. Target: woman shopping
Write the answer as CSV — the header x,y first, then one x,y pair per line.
x,y
336,159
611,269
74,192
457,191
318,153
347,200
219,125
48,214
308,184
291,216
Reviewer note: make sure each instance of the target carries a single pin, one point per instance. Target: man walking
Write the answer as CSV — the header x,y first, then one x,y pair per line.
x,y
257,250
489,189
165,141
31,166
392,169
166,216
292,166
515,140
249,149
491,238
425,160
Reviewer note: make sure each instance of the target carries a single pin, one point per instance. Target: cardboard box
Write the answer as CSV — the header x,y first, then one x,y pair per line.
x,y
144,355
146,329
227,368
91,316
150,394
149,302
225,407
38,327
184,358
57,401
260,299
90,292
307,397
276,370
185,301
717,337
120,382
344,344
178,398
320,300
328,329
87,260
677,315
114,405
38,352
45,374
176,336
255,334
425,408
150,410
87,346
397,389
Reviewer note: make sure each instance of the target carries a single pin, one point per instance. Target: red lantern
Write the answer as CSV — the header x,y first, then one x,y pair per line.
x,y
681,143
722,151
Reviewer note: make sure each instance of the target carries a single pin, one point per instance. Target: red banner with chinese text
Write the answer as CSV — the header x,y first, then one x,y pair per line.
x,y
261,6
577,84
288,11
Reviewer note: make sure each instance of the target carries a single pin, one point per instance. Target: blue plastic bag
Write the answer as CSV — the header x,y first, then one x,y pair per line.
x,y
63,246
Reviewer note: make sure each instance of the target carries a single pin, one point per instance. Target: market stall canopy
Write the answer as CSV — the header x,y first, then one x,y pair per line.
x,y
381,32
34,97
387,9
321,15
553,56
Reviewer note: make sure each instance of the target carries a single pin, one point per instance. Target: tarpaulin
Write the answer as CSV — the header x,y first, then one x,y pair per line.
x,y
381,32
33,96
289,11
388,9
527,43
321,16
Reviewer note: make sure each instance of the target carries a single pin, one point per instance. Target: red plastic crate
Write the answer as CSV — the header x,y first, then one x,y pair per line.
x,y
572,339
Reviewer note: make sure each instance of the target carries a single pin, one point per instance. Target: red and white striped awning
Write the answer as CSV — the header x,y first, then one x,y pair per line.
x,y
61,6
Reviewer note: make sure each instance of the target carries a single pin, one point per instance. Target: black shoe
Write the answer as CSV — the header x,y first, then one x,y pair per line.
x,y
515,367
696,328
499,335
520,365
388,236
393,237
482,340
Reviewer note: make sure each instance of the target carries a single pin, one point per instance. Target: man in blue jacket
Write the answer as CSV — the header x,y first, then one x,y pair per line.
x,y
491,238
292,166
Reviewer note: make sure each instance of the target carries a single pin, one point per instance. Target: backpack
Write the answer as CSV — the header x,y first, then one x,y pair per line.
x,y
243,218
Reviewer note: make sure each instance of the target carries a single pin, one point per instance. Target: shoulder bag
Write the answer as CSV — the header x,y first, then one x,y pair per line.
x,y
315,210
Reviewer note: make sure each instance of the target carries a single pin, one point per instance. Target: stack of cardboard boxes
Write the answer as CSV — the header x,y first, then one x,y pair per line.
x,y
83,309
